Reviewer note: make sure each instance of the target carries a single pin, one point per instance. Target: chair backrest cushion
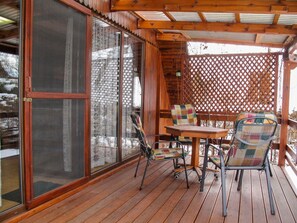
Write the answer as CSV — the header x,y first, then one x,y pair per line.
x,y
253,136
140,132
183,114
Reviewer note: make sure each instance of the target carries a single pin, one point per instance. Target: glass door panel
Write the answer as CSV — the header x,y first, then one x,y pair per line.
x,y
58,92
59,42
57,143
10,128
104,94
132,78
10,186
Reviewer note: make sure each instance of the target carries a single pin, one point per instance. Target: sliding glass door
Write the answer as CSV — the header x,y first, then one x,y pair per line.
x,y
116,79
10,128
56,97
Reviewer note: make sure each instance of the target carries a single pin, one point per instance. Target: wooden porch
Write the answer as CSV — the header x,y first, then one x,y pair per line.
x,y
166,199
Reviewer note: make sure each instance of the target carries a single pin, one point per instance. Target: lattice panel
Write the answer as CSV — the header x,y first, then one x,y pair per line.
x,y
105,80
128,82
231,83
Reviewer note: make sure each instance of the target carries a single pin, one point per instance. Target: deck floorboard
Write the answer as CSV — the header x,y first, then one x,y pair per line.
x,y
166,199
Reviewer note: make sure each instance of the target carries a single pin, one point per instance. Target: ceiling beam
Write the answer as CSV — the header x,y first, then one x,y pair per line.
x,y
172,37
236,42
219,27
235,6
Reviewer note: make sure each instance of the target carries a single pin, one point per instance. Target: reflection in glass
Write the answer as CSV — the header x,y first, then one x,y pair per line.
x,y
131,93
10,183
104,95
57,143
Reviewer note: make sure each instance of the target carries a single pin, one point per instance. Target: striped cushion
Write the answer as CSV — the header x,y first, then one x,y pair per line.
x,y
137,121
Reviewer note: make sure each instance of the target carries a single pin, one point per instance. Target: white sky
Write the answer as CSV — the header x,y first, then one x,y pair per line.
x,y
293,91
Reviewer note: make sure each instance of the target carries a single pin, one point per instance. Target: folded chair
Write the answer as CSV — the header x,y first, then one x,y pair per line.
x,y
157,152
251,142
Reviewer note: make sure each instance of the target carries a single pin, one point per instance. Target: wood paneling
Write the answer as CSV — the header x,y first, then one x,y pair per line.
x,y
172,53
164,104
151,84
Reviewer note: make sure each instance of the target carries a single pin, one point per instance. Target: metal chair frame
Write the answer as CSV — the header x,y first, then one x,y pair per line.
x,y
265,166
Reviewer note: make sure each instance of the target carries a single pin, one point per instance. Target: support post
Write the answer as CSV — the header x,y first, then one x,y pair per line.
x,y
285,112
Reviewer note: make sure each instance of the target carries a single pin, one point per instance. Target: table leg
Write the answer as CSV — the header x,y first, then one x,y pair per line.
x,y
204,165
195,152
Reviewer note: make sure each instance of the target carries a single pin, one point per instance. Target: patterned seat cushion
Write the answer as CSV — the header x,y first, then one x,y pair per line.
x,y
183,114
167,153
252,139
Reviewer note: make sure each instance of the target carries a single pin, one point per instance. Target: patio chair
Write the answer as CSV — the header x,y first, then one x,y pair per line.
x,y
157,152
254,133
184,114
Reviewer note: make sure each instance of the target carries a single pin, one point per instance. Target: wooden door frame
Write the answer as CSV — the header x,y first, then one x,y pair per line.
x,y
31,202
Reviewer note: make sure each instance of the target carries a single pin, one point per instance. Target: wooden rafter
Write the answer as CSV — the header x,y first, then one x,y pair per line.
x,y
237,42
259,38
275,19
219,27
237,17
169,16
202,17
236,6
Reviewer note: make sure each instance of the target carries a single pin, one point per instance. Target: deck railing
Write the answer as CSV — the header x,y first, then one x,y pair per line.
x,y
291,148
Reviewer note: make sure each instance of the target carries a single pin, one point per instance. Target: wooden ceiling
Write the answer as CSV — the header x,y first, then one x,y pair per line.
x,y
269,23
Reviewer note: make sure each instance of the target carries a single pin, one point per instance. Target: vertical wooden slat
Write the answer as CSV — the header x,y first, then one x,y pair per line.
x,y
285,113
120,109
88,93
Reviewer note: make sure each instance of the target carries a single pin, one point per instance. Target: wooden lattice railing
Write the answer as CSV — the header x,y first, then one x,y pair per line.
x,y
230,83
291,151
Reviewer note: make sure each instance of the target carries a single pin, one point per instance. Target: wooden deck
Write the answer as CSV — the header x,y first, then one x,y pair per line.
x,y
166,199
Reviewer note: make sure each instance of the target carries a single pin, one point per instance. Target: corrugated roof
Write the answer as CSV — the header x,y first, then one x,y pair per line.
x,y
153,15
186,16
219,17
220,35
256,18
270,38
287,19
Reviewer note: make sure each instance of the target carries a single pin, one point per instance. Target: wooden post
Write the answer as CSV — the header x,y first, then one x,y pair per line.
x,y
285,113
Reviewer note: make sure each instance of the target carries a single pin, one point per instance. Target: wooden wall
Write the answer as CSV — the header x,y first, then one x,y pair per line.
x,y
151,84
164,104
172,54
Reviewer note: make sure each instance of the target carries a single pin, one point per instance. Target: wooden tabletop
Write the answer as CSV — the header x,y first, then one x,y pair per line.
x,y
196,131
